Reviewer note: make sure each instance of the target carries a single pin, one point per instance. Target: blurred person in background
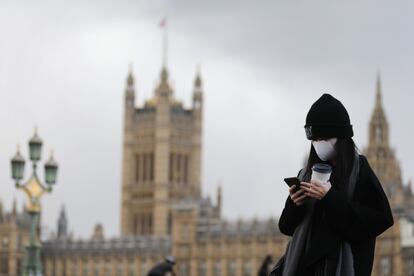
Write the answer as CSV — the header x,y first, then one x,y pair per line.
x,y
165,268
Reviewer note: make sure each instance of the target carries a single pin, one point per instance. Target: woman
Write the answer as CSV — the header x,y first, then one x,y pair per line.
x,y
333,225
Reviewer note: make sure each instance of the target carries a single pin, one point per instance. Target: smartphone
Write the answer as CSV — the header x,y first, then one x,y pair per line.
x,y
293,181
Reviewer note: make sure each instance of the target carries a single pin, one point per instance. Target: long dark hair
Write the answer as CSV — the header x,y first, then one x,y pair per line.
x,y
263,271
345,157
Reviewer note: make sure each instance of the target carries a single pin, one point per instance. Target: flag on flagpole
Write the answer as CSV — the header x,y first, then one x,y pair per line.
x,y
162,23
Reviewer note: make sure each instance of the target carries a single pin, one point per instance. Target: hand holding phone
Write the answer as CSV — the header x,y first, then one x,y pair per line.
x,y
293,181
296,194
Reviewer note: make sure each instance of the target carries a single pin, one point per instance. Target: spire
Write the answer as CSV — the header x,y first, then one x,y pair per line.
x,y
378,102
98,232
378,129
219,198
219,194
164,88
130,90
198,90
197,81
1,211
62,224
14,210
130,79
164,76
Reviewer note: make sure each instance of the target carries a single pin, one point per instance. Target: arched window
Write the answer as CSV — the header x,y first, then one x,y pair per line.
x,y
144,268
5,242
135,223
85,268
183,269
217,268
184,232
119,267
378,134
169,222
74,267
186,163
108,268
131,268
385,266
19,267
247,268
4,264
149,218
232,269
137,166
97,269
152,166
202,269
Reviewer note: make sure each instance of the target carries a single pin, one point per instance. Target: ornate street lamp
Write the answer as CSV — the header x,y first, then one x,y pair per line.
x,y
17,166
51,171
35,147
35,190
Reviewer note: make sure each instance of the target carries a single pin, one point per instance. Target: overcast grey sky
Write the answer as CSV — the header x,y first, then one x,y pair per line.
x,y
63,67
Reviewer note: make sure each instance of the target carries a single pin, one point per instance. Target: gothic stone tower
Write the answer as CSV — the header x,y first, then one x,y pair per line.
x,y
381,156
161,157
388,255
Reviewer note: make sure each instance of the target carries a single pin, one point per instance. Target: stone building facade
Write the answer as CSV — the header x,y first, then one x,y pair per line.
x,y
161,157
14,234
163,211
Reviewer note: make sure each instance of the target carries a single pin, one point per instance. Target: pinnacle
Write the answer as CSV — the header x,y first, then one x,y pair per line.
x,y
130,78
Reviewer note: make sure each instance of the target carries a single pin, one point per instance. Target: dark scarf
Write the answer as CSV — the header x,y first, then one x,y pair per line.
x,y
300,240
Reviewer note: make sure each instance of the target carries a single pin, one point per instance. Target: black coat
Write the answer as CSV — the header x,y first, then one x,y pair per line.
x,y
358,221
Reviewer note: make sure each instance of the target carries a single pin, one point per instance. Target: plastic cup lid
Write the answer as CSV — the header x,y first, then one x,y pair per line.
x,y
322,168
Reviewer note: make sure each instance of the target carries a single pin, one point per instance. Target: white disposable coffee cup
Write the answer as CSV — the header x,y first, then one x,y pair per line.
x,y
321,172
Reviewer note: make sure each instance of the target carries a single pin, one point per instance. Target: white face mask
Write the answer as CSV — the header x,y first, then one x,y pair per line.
x,y
325,149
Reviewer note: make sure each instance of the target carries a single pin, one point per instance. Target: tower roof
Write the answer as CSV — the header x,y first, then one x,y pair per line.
x,y
378,126
378,100
164,87
164,75
378,116
62,224
130,78
62,214
197,81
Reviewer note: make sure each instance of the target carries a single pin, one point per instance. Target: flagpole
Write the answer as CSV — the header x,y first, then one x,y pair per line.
x,y
165,42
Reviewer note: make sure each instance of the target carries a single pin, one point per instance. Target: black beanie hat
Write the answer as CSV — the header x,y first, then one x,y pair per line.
x,y
328,118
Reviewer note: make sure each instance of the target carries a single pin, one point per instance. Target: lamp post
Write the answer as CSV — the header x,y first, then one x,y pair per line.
x,y
35,190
